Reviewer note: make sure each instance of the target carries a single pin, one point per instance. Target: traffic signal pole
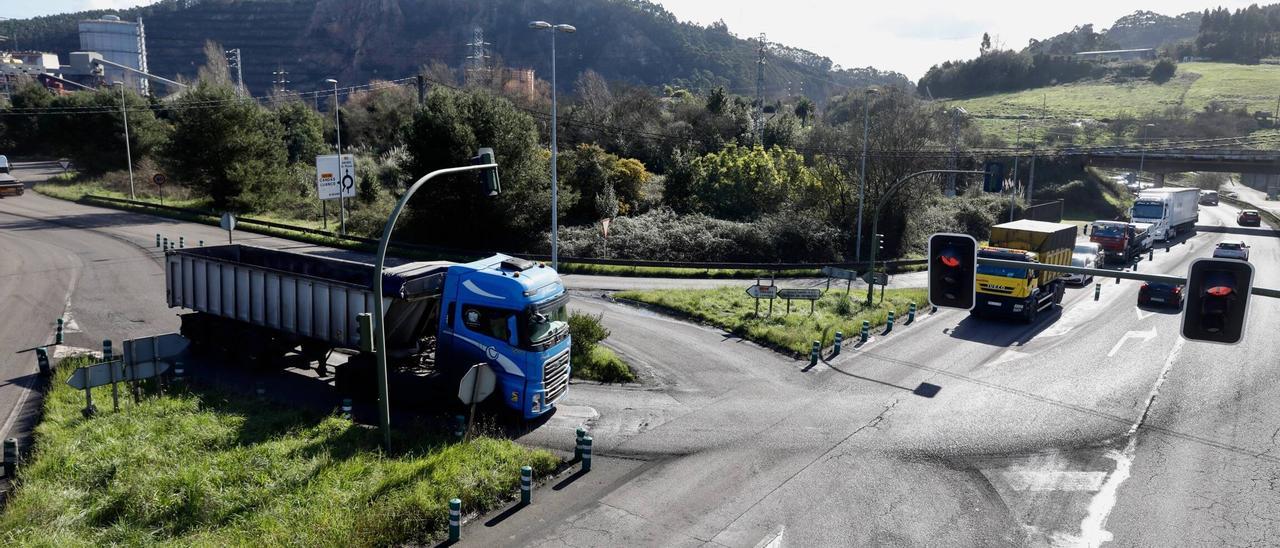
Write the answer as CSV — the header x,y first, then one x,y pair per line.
x,y
875,219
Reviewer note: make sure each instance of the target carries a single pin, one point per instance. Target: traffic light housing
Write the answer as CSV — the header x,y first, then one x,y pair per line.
x,y
993,177
1217,300
953,266
492,185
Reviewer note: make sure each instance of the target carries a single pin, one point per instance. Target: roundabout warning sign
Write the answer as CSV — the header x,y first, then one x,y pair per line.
x,y
336,176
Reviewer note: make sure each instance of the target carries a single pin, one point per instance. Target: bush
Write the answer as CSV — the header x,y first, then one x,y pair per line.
x,y
590,360
586,332
1163,71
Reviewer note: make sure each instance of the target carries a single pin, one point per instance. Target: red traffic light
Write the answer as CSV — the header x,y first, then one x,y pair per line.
x,y
1219,291
949,261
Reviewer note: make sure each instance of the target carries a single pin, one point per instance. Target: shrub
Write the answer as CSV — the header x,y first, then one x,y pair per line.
x,y
1163,71
586,332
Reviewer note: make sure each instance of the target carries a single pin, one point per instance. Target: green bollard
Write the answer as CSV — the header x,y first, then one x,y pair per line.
x,y
166,244
460,426
839,340
577,448
260,389
813,354
11,458
157,240
586,454
1097,291
182,242
455,520
42,362
911,313
889,324
57,335
346,408
1151,254
526,485
201,243
866,328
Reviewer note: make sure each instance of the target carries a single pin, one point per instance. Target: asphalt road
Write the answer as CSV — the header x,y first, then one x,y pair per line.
x,y
1096,423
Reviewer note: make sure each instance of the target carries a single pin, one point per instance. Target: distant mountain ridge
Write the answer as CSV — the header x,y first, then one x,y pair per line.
x,y
1147,29
633,41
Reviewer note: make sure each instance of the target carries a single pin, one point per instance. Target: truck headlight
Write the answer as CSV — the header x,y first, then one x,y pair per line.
x,y
536,404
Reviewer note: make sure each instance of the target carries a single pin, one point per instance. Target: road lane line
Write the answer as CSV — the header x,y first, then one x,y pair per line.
x,y
774,540
1031,479
1093,532
1143,335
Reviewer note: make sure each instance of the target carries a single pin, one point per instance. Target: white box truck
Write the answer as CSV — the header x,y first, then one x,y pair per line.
x,y
1169,211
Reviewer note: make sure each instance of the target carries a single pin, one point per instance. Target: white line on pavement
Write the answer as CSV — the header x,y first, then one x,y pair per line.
x,y
1142,335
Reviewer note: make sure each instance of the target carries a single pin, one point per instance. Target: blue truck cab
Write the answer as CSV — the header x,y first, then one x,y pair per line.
x,y
510,313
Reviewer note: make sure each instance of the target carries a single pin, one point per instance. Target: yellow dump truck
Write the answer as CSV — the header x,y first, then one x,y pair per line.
x,y
1023,292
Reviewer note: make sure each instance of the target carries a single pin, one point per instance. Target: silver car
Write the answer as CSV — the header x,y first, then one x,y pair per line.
x,y
1232,250
1082,261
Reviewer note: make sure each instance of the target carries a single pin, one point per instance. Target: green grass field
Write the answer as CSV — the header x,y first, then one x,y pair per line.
x,y
1195,85
732,310
221,469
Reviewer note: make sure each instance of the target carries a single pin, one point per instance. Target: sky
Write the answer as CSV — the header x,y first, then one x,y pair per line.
x,y
908,37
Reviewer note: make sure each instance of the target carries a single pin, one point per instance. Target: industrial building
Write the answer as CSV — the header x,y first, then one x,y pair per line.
x,y
120,42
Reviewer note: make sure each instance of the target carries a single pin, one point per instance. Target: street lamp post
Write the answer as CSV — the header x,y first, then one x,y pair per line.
x,y
555,202
862,186
379,308
337,133
875,219
1142,154
128,151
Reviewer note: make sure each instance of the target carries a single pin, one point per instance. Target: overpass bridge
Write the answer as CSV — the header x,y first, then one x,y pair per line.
x,y
1260,167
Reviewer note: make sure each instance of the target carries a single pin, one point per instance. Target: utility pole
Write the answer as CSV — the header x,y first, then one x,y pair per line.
x,y
1017,153
478,61
1031,183
760,60
233,62
128,151
862,174
422,90
279,80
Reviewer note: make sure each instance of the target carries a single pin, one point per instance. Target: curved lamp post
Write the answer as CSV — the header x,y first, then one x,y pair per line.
x,y
485,161
875,220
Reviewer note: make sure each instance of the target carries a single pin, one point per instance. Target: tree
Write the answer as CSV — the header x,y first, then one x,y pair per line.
x,y
1163,71
227,148
804,110
303,130
94,140
375,118
985,46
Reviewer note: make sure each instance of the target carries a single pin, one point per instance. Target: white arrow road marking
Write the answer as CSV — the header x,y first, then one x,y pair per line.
x,y
1144,335
1142,315
1031,479
1008,356
773,540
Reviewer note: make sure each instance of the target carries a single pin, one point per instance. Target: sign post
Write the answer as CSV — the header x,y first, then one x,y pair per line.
x,y
841,274
228,223
336,179
65,163
159,180
758,292
812,295
476,385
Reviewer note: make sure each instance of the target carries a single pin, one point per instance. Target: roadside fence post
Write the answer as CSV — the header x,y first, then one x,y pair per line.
x,y
11,458
455,520
1097,291
526,485
866,328
577,448
586,453
839,340
57,335
813,354
346,408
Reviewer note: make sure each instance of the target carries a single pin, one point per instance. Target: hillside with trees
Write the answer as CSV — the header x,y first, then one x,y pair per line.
x,y
355,41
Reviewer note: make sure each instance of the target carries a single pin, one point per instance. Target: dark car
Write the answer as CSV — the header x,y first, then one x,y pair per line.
x,y
1160,294
1249,217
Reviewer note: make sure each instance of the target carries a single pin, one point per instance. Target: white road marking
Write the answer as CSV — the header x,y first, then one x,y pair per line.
x,y
1031,479
774,540
1007,356
1143,335
1142,314
1093,531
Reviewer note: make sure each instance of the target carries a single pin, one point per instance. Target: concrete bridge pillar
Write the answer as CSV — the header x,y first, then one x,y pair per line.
x,y
1159,180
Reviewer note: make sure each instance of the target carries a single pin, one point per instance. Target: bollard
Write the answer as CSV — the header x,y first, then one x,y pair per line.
x,y
201,243
1117,281
346,408
460,426
157,239
260,389
182,242
1151,254
1097,291
911,313
115,389
42,362
1135,267
57,335
166,244
839,339
866,327
11,458
889,324
455,520
577,448
526,485
813,354
178,372
586,454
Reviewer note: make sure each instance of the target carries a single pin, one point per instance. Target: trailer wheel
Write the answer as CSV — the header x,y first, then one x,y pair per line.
x,y
355,378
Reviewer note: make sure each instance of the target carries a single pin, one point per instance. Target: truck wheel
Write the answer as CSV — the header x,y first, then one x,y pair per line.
x,y
1030,315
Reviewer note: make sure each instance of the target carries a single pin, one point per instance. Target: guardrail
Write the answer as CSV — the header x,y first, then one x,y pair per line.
x,y
212,217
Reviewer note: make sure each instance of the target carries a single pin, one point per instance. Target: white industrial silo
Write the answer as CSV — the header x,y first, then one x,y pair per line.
x,y
121,42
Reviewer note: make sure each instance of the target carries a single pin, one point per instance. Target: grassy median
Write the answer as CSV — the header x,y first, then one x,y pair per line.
x,y
733,310
219,469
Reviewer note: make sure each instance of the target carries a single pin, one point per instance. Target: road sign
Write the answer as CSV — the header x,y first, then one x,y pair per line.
x,y
336,176
65,163
156,348
228,222
876,278
159,179
102,374
763,291
839,273
477,384
800,294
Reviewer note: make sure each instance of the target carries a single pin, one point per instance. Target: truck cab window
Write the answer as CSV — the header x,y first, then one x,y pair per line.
x,y
491,322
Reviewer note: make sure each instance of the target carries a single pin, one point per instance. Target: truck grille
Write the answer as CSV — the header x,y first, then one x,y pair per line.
x,y
555,376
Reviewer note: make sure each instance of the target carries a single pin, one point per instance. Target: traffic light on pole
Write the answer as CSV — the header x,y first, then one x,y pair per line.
x,y
953,263
993,177
879,243
1217,300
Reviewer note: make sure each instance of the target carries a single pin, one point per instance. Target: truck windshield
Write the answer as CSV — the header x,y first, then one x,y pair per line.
x,y
543,323
1148,210
1002,271
1109,231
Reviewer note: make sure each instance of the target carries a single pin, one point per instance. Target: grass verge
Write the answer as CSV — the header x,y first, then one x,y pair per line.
x,y
603,365
732,310
220,469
